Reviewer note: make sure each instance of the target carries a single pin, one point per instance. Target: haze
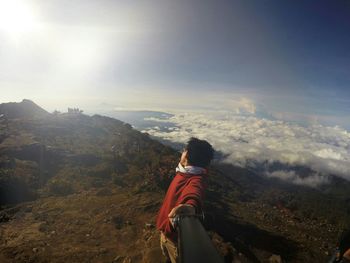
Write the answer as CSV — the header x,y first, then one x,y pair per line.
x,y
281,60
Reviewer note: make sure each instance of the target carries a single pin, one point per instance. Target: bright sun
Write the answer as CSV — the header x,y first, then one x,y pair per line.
x,y
16,17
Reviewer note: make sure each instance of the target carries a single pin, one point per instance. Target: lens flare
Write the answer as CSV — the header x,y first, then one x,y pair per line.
x,y
16,18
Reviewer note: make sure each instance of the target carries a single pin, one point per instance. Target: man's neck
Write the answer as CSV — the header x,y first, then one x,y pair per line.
x,y
190,169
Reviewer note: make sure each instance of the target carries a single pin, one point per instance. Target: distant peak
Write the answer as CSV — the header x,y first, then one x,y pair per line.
x,y
27,101
24,109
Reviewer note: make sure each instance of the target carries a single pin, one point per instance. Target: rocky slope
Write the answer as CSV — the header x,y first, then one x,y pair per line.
x,y
75,188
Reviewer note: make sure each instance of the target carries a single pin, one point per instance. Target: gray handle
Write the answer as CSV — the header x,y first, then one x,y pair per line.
x,y
195,245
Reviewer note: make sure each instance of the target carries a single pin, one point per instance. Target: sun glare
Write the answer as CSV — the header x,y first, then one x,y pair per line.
x,y
16,17
80,53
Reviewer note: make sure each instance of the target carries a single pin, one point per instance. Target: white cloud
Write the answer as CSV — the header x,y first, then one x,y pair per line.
x,y
290,176
246,105
243,139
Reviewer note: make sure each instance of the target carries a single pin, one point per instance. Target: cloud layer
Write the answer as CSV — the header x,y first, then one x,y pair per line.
x,y
247,139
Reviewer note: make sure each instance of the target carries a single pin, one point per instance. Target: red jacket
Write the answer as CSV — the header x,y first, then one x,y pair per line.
x,y
184,189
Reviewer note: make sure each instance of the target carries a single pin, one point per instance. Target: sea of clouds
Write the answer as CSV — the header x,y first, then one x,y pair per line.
x,y
244,140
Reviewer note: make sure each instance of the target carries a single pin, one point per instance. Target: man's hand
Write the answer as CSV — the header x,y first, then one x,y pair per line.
x,y
182,209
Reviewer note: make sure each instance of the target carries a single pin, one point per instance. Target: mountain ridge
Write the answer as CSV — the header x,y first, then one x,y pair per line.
x,y
92,185
24,109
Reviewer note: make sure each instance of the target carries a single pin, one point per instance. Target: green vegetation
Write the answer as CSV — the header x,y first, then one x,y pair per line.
x,y
60,187
63,153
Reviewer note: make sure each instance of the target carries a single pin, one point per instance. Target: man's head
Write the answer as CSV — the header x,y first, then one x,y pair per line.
x,y
197,153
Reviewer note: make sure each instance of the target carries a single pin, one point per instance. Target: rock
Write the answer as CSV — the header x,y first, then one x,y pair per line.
x,y
102,250
43,227
28,209
4,217
118,222
127,260
147,236
149,225
104,192
118,259
35,250
19,258
275,259
79,222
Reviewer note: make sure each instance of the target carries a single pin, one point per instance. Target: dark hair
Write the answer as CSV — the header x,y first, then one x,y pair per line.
x,y
199,152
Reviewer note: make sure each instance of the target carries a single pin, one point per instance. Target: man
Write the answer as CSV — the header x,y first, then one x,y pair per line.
x,y
185,193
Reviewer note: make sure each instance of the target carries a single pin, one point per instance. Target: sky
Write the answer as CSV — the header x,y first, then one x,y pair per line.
x,y
287,60
262,80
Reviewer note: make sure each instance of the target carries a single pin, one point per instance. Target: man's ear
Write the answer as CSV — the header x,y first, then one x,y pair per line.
x,y
184,160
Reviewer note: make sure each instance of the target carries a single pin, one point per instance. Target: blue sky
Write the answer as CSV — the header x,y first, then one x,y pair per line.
x,y
289,59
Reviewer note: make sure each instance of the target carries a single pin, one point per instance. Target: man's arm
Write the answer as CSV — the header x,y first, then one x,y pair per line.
x,y
193,193
182,209
191,199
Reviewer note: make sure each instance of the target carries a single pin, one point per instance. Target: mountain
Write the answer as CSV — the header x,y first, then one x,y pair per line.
x,y
25,108
78,188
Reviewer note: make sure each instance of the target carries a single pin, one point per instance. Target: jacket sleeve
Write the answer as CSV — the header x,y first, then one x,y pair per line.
x,y
193,193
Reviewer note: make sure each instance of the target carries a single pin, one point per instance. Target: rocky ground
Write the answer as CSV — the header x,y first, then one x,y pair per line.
x,y
75,188
99,225
116,224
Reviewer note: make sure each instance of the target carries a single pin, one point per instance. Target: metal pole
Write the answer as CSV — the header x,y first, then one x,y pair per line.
x,y
195,245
